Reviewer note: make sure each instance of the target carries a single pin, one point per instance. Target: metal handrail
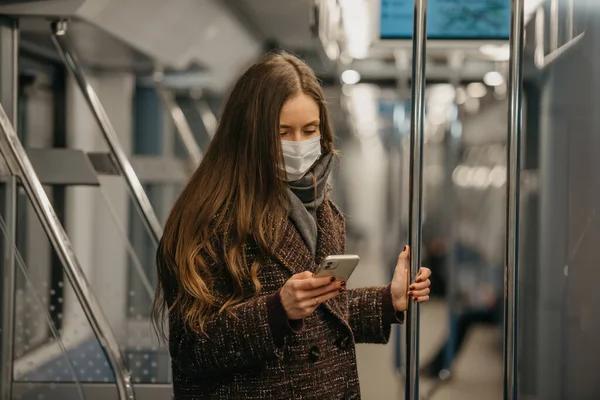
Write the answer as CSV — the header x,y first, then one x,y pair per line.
x,y
20,166
209,119
181,125
59,30
515,113
411,391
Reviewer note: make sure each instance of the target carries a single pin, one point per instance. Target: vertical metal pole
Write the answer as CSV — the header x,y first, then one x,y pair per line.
x,y
452,159
539,54
416,190
9,51
570,20
59,30
452,154
8,289
515,89
554,21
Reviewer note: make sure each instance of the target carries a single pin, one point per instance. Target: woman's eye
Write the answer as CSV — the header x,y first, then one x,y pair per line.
x,y
311,132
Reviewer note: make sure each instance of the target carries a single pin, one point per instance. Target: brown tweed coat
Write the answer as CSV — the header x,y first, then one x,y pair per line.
x,y
239,358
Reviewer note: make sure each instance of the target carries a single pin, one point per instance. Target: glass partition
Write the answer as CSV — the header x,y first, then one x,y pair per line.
x,y
46,349
109,236
162,197
54,346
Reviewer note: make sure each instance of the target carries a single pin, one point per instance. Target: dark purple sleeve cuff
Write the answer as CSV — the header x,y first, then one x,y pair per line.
x,y
279,323
389,313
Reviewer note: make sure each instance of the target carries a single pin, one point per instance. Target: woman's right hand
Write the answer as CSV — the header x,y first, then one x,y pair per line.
x,y
303,292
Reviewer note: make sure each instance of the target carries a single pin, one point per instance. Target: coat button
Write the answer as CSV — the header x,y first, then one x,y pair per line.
x,y
343,342
314,353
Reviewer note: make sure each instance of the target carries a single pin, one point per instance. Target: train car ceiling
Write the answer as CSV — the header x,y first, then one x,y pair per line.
x,y
206,43
136,34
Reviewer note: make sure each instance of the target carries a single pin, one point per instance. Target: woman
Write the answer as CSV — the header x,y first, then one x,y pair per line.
x,y
247,317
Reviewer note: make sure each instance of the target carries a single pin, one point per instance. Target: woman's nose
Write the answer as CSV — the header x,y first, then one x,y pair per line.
x,y
297,136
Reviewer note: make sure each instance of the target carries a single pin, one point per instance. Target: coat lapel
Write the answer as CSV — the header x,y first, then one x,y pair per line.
x,y
332,232
294,255
331,241
291,251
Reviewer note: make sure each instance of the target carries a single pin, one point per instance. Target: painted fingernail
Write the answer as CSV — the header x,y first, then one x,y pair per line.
x,y
342,289
343,283
332,279
412,287
415,299
418,280
404,248
410,293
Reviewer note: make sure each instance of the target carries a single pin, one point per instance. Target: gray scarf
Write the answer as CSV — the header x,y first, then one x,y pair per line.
x,y
303,204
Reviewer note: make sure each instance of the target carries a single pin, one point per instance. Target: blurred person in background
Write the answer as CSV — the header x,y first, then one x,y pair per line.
x,y
435,255
247,317
435,252
478,301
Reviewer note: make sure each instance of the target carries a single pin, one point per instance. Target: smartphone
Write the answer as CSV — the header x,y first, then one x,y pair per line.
x,y
340,267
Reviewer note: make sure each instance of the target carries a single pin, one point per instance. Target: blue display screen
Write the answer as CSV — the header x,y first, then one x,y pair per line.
x,y
448,19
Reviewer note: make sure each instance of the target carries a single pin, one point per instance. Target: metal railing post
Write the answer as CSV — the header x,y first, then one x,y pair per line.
x,y
570,20
59,30
554,25
453,138
515,109
181,124
19,164
209,120
415,192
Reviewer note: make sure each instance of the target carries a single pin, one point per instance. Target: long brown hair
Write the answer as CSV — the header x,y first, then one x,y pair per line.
x,y
237,194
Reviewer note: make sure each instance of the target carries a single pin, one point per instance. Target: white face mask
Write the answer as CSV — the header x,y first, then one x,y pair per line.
x,y
300,156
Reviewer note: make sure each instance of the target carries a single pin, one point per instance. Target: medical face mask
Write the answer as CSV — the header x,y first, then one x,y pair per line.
x,y
300,156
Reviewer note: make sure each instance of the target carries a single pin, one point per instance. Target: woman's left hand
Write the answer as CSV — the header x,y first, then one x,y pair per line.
x,y
401,292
